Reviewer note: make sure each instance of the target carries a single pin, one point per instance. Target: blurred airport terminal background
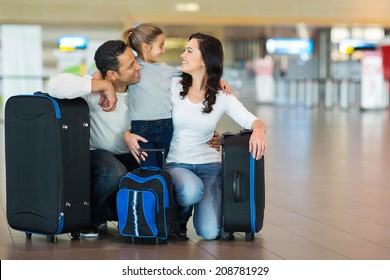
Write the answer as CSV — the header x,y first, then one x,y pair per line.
x,y
295,52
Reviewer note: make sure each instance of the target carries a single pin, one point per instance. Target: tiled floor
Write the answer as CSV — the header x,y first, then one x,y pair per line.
x,y
327,197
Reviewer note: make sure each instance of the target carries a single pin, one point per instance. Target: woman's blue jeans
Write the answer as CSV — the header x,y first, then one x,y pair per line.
x,y
200,185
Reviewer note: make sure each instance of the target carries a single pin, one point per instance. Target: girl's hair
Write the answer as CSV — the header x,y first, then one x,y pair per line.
x,y
142,33
212,54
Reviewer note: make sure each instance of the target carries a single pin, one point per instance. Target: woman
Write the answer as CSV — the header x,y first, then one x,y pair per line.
x,y
198,104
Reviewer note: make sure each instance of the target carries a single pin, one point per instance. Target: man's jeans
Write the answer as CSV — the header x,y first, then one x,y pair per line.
x,y
106,171
159,135
200,185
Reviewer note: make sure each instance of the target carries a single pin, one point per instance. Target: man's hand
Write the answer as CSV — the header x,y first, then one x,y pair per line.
x,y
131,141
215,142
108,98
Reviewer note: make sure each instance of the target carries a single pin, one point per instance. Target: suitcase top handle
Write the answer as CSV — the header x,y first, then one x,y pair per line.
x,y
43,95
162,151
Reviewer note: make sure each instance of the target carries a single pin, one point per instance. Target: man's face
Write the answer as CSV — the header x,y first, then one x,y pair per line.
x,y
129,69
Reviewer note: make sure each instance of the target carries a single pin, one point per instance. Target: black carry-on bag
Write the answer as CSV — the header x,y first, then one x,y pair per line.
x,y
146,205
243,187
47,165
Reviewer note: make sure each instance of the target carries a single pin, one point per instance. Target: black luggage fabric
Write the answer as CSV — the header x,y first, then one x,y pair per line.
x,y
47,164
243,186
146,205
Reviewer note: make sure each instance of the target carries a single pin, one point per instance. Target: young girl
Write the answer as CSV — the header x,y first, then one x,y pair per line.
x,y
150,99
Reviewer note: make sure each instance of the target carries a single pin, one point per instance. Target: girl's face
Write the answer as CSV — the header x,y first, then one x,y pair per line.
x,y
153,52
192,58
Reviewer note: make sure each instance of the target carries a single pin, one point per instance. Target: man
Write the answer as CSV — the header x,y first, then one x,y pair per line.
x,y
109,116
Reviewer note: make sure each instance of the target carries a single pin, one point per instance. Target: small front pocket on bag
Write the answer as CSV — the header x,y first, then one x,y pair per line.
x,y
137,213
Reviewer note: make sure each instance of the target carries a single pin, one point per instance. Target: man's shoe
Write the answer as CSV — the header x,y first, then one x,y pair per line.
x,y
91,232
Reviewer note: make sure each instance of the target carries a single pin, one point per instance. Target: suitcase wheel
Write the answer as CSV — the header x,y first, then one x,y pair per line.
x,y
28,235
226,235
249,236
75,235
52,238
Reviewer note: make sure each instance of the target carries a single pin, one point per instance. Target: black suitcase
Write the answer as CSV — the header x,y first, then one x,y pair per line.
x,y
243,187
47,165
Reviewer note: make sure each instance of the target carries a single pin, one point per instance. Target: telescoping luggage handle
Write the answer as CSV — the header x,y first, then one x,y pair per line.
x,y
156,150
228,134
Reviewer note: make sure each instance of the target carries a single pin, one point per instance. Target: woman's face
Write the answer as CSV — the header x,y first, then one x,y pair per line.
x,y
192,58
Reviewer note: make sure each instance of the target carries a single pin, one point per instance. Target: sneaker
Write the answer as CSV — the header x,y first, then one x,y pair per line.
x,y
91,232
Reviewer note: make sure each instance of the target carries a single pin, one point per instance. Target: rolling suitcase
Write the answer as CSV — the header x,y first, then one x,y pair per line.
x,y
47,165
243,187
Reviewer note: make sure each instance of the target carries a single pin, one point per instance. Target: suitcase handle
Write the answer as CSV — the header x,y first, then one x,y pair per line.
x,y
236,186
162,151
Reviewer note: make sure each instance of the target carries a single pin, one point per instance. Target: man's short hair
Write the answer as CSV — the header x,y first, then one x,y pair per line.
x,y
106,56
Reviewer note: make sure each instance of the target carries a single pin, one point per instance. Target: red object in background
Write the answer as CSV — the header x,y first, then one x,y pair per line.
x,y
386,61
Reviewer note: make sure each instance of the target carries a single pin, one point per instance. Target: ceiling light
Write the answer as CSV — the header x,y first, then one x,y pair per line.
x,y
187,7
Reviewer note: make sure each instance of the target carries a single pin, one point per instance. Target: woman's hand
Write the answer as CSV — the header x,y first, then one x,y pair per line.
x,y
131,141
257,141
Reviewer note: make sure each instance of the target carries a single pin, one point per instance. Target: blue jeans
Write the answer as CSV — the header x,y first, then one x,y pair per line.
x,y
106,170
159,136
200,185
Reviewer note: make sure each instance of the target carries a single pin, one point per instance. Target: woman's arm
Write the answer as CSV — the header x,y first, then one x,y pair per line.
x,y
238,112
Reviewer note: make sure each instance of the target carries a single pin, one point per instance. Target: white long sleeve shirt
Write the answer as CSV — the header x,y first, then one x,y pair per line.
x,y
107,128
193,129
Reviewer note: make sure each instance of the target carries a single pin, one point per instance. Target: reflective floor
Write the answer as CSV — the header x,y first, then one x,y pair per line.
x,y
327,196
